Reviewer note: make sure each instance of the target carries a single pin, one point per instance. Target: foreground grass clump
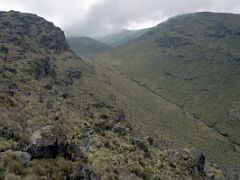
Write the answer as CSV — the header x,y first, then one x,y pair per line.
x,y
111,157
12,168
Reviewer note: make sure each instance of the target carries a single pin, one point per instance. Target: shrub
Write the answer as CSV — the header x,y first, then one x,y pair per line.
x,y
12,177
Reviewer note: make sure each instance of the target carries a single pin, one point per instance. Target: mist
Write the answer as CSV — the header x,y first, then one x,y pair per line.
x,y
100,17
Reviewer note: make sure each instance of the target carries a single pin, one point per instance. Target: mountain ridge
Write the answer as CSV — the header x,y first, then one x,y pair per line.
x,y
122,37
87,47
65,118
181,60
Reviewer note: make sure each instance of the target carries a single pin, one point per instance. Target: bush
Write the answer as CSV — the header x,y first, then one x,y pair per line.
x,y
12,177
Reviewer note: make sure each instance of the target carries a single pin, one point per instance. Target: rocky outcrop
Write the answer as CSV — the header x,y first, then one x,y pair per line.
x,y
70,76
47,142
29,31
171,42
193,161
43,68
73,145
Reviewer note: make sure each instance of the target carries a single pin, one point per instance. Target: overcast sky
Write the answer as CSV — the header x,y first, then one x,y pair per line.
x,y
99,17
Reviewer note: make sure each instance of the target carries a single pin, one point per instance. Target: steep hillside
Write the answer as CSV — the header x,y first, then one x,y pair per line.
x,y
63,118
122,37
193,61
87,47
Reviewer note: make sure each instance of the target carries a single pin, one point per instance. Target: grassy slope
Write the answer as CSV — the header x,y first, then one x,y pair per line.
x,y
193,61
87,47
122,37
25,108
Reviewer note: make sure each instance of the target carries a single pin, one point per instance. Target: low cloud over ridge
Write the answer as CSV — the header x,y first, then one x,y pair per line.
x,y
99,17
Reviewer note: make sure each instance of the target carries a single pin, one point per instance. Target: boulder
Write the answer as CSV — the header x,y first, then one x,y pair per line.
x,y
10,69
171,42
149,140
199,161
4,50
65,95
120,129
98,104
47,142
24,157
235,114
192,160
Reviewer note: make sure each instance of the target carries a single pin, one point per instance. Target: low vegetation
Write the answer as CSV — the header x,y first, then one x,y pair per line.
x,y
62,118
191,61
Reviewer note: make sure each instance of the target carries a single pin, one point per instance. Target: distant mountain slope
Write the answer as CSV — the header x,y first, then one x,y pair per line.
x,y
87,47
64,118
122,37
192,60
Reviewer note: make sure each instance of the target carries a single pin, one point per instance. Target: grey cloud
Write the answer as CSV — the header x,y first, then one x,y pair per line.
x,y
98,17
113,15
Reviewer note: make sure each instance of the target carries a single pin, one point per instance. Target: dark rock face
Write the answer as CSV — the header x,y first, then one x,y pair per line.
x,y
221,31
107,122
20,32
65,95
10,69
194,161
149,140
44,68
54,42
171,42
199,161
47,142
4,50
70,76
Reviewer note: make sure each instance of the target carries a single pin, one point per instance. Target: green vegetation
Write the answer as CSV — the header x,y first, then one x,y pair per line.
x,y
191,61
64,118
87,47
